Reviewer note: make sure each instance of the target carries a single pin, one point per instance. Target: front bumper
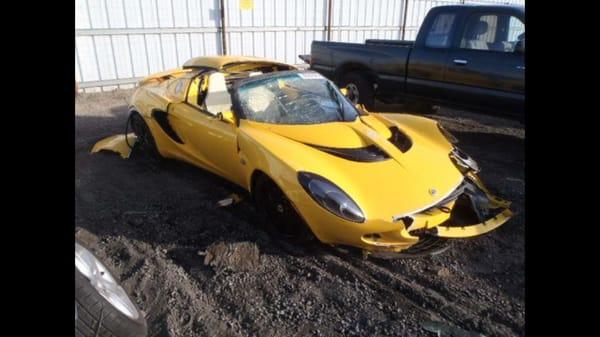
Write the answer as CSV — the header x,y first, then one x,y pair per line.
x,y
489,203
471,210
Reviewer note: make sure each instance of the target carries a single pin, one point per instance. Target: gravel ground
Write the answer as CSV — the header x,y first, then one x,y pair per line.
x,y
199,270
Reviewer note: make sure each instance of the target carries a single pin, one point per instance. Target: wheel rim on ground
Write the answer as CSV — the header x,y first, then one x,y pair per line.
x,y
103,282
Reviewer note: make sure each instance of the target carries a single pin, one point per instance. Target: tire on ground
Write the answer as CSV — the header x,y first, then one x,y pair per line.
x,y
146,142
297,231
95,316
366,92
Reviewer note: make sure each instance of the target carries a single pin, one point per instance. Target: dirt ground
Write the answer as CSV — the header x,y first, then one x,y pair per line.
x,y
156,227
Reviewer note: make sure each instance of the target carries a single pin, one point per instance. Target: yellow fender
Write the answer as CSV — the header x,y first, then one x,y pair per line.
x,y
116,144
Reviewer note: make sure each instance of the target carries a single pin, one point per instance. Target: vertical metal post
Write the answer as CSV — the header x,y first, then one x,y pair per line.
x,y
404,19
223,35
329,4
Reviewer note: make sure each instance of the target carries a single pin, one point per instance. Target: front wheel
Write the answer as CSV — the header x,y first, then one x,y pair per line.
x,y
278,215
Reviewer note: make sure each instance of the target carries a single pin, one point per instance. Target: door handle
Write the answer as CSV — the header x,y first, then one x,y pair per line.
x,y
521,67
460,62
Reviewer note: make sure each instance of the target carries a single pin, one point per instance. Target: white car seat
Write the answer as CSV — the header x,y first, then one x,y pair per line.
x,y
217,97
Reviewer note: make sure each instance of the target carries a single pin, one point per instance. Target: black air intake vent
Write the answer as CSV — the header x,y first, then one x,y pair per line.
x,y
400,139
370,153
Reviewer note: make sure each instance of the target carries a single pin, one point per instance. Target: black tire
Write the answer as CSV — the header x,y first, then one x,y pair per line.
x,y
364,89
95,316
145,143
278,216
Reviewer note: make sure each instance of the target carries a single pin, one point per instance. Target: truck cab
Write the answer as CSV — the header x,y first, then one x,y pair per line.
x,y
465,56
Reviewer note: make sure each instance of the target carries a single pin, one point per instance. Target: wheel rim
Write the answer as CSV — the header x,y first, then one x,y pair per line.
x,y
103,282
353,91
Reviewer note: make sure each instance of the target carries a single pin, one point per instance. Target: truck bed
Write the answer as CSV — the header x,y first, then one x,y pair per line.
x,y
327,57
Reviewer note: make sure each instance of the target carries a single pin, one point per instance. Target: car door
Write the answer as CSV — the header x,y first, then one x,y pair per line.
x,y
211,142
486,69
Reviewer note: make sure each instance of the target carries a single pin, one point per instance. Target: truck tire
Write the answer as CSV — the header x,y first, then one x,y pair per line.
x,y
95,315
359,85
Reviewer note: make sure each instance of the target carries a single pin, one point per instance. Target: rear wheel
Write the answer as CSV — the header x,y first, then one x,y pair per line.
x,y
279,217
145,141
360,89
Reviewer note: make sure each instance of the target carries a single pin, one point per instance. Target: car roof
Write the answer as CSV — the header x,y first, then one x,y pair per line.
x,y
218,62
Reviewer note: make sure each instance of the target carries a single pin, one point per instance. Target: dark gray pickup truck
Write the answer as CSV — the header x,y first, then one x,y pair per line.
x,y
467,56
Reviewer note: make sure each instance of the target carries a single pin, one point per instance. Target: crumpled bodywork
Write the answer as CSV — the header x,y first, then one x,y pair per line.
x,y
118,143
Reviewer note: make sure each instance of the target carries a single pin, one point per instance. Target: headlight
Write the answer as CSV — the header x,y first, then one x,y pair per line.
x,y
447,134
330,197
464,160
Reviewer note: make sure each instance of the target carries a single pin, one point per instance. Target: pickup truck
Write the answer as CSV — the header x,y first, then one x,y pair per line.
x,y
465,56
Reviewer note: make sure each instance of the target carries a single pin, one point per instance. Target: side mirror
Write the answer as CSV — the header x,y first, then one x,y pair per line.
x,y
520,46
227,117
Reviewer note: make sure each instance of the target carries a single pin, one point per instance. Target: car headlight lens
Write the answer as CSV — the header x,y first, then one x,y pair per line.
x,y
331,197
464,160
450,137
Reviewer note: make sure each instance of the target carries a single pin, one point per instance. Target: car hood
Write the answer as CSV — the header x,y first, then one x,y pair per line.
x,y
405,183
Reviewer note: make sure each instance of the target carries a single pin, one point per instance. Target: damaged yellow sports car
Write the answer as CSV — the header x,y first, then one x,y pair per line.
x,y
314,163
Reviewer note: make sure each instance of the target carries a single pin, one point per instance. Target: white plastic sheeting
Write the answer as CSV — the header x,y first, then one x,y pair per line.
x,y
119,41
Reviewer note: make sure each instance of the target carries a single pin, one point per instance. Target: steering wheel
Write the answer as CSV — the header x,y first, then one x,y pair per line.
x,y
311,103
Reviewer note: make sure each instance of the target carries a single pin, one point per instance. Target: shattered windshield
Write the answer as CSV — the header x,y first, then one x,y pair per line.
x,y
294,98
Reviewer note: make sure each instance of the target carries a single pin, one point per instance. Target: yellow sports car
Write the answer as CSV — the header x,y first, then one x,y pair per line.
x,y
314,163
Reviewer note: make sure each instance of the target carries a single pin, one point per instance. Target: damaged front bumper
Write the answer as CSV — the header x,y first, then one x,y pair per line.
x,y
470,210
474,211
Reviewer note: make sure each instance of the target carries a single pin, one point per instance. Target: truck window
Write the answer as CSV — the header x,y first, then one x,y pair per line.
x,y
492,32
438,35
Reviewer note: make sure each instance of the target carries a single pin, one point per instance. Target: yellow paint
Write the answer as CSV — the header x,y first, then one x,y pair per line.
x,y
384,190
228,117
246,4
220,62
116,144
475,230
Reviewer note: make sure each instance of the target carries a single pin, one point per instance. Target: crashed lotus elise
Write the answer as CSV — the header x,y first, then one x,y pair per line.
x,y
314,163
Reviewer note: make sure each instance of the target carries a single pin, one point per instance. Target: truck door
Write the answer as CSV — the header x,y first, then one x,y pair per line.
x,y
486,68
427,60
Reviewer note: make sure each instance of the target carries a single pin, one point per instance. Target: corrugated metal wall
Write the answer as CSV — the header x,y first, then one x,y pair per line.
x,y
120,41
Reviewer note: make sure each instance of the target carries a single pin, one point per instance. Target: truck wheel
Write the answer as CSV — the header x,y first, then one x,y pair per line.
x,y
102,308
360,89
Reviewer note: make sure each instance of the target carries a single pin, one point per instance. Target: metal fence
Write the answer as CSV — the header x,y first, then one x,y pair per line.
x,y
120,41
